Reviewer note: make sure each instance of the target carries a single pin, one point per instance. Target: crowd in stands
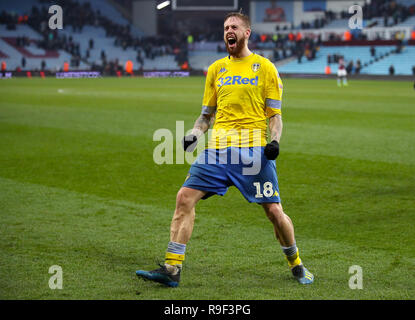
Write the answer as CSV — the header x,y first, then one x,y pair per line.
x,y
22,41
284,46
292,45
77,16
391,11
12,19
356,67
307,47
386,9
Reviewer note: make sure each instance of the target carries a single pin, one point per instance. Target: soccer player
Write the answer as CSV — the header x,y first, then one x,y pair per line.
x,y
341,74
242,90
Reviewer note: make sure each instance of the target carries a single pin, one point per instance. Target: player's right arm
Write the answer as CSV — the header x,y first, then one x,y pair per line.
x,y
203,122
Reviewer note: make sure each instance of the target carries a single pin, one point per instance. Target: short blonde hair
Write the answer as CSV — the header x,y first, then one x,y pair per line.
x,y
245,19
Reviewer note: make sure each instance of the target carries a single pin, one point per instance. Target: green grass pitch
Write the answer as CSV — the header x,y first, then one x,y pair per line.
x,y
79,189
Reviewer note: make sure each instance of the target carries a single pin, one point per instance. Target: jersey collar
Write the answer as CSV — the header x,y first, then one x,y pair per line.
x,y
241,59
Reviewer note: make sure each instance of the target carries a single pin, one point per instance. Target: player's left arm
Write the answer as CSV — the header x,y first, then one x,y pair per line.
x,y
272,149
275,127
273,111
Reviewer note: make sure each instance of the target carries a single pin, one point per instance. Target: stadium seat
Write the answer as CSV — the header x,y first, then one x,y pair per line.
x,y
402,62
14,54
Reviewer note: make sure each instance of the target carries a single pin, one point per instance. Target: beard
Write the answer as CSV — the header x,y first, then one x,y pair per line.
x,y
237,48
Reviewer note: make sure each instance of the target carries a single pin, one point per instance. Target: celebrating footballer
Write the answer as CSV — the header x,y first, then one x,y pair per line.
x,y
243,94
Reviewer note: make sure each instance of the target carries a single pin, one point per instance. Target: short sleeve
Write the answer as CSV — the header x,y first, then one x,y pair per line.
x,y
273,91
209,96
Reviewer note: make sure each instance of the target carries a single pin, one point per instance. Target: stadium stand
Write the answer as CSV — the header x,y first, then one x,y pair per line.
x,y
97,36
337,24
410,22
106,9
370,65
115,39
18,7
401,62
33,55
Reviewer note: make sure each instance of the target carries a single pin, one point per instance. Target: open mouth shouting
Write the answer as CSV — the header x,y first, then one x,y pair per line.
x,y
231,41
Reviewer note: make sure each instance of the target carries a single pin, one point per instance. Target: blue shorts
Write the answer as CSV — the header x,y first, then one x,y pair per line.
x,y
215,170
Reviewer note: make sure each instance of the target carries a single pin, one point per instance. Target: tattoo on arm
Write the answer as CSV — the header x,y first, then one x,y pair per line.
x,y
275,127
202,124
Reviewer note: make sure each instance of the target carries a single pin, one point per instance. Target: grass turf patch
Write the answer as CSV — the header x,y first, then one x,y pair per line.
x,y
79,188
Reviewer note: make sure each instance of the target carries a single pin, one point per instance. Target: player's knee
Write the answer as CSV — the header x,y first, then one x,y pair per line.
x,y
275,214
184,201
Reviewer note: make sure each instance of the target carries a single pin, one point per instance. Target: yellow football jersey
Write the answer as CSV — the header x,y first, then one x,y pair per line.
x,y
243,92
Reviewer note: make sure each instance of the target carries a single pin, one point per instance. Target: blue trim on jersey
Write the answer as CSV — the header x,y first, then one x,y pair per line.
x,y
215,170
208,110
272,103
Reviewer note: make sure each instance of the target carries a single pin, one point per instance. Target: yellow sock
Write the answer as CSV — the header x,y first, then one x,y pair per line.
x,y
294,260
174,258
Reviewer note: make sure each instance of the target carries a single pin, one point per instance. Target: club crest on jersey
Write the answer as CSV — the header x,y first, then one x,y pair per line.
x,y
255,67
